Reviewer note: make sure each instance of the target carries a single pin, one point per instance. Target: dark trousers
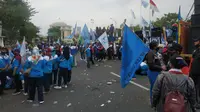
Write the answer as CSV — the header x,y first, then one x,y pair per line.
x,y
196,80
91,59
82,55
26,84
88,62
3,81
18,83
69,76
33,84
46,81
55,75
62,74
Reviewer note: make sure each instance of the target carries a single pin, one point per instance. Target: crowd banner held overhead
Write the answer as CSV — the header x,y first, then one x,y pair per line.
x,y
103,39
144,3
133,53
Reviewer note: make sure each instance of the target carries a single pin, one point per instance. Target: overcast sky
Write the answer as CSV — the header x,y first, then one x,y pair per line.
x,y
82,11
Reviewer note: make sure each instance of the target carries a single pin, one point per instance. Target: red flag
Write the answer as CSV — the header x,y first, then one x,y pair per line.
x,y
153,6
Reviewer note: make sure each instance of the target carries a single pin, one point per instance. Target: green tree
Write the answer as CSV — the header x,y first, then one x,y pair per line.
x,y
15,16
137,28
54,33
167,20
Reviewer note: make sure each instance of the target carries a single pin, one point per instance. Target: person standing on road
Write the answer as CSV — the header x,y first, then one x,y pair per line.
x,y
174,91
195,69
63,68
88,55
154,65
16,67
35,73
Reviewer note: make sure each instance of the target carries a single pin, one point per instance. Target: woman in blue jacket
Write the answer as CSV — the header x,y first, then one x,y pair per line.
x,y
63,68
35,72
47,73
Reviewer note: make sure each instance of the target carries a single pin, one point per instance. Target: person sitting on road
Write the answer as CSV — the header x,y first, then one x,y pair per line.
x,y
173,89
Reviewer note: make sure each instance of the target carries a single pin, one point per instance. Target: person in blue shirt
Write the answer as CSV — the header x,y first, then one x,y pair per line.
x,y
16,67
55,69
47,73
35,73
4,63
70,65
88,55
26,84
63,67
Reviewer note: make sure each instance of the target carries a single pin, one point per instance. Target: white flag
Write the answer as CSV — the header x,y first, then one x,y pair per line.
x,y
144,22
104,40
133,14
23,51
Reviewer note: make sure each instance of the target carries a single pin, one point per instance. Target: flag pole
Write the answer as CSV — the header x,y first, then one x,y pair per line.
x,y
150,21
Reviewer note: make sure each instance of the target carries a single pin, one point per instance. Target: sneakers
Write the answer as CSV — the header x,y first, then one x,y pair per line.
x,y
30,101
65,86
58,87
16,93
41,102
25,94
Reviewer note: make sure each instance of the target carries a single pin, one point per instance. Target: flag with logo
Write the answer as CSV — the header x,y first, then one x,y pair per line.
x,y
133,53
103,39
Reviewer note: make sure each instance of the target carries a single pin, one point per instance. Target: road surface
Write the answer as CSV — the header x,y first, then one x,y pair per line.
x,y
88,92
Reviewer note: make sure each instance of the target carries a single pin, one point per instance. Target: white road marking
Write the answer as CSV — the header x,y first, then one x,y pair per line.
x,y
136,84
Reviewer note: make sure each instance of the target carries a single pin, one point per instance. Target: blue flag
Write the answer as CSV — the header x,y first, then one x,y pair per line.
x,y
133,53
179,14
85,34
73,33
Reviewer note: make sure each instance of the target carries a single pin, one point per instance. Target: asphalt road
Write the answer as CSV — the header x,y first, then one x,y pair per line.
x,y
88,92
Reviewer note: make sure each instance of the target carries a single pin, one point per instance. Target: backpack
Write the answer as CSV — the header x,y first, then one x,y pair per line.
x,y
174,101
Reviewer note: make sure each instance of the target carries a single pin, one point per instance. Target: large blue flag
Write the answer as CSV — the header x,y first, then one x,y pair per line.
x,y
133,53
85,34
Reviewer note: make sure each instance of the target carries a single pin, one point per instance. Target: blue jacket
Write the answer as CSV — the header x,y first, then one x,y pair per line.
x,y
63,63
70,62
88,53
16,64
48,65
37,69
55,62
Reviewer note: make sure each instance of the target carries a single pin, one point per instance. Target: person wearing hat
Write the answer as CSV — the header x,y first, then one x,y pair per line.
x,y
195,68
165,83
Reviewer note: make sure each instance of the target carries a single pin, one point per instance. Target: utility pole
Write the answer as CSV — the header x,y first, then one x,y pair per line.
x,y
1,37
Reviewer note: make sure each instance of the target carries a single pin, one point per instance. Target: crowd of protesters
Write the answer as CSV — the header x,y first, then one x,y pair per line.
x,y
174,83
47,66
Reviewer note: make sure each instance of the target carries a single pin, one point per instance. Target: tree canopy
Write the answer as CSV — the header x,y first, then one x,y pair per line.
x,y
167,20
15,16
54,33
